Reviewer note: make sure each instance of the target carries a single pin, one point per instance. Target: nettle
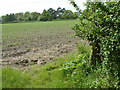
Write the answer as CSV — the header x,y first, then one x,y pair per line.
x,y
100,25
78,62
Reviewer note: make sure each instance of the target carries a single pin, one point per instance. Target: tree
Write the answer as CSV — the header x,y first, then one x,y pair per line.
x,y
39,18
25,16
68,14
100,24
75,15
19,16
28,18
52,13
6,18
45,16
34,15
12,17
60,12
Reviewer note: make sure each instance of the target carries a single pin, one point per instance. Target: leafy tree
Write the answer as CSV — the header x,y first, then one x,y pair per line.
x,y
19,16
52,13
6,18
100,24
25,16
45,16
60,12
34,15
75,15
28,18
68,14
39,17
12,17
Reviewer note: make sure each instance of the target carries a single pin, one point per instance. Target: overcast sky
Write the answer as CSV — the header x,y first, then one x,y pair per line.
x,y
15,6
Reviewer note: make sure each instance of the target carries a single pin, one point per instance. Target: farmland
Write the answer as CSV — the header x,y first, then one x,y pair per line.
x,y
26,44
48,55
44,52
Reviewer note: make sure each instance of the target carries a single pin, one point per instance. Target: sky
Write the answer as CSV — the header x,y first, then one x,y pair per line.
x,y
16,6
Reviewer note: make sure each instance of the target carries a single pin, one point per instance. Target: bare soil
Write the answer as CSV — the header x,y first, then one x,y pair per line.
x,y
41,50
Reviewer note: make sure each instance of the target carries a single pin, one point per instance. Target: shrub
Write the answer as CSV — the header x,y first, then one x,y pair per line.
x,y
99,24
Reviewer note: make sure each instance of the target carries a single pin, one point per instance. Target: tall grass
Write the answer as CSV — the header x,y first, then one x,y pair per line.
x,y
83,47
12,78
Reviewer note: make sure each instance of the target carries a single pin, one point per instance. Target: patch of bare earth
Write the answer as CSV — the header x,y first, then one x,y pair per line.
x,y
41,50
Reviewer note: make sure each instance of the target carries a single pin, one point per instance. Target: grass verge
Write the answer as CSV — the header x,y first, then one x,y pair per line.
x,y
71,71
46,76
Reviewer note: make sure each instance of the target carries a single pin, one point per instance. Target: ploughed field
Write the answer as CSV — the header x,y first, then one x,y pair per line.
x,y
26,44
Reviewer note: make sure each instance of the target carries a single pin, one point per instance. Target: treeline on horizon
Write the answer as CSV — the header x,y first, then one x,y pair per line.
x,y
46,15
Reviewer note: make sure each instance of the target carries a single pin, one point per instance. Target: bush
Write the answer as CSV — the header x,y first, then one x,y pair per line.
x,y
99,24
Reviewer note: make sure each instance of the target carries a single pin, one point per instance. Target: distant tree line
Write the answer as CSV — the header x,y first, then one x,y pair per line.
x,y
46,15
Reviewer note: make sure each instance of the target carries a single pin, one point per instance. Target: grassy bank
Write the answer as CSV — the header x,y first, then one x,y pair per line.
x,y
49,75
71,71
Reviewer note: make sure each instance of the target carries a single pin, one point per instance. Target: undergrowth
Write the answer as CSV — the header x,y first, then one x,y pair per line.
x,y
71,71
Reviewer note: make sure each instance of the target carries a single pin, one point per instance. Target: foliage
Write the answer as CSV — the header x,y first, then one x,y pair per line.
x,y
83,47
46,15
34,15
25,16
87,77
99,24
52,13
60,12
79,61
8,18
68,14
75,15
82,75
19,16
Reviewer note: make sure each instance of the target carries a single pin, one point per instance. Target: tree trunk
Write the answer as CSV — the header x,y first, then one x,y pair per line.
x,y
92,56
95,55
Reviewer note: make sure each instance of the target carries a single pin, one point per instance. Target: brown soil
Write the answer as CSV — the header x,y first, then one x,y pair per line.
x,y
40,51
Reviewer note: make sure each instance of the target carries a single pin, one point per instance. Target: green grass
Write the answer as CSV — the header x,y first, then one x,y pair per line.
x,y
13,29
83,47
12,78
50,75
46,76
19,33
